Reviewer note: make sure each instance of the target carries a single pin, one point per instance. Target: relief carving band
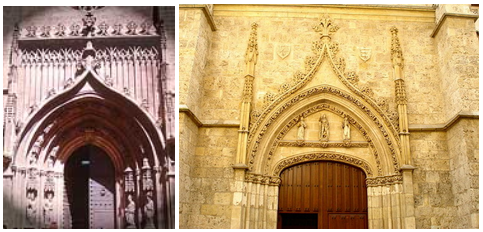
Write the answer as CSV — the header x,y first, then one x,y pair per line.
x,y
324,129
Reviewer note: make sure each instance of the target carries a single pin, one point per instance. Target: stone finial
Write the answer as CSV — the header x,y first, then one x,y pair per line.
x,y
252,50
325,27
396,52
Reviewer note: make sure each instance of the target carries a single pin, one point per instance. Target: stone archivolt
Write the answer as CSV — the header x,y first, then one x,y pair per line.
x,y
316,156
253,150
312,110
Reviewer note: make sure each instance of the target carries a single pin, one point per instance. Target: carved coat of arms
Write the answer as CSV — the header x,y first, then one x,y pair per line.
x,y
283,50
365,53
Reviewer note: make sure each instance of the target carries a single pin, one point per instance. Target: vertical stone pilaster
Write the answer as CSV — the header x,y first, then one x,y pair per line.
x,y
251,57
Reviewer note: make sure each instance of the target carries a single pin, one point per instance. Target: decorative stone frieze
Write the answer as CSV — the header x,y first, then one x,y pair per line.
x,y
88,29
262,179
323,144
384,180
317,156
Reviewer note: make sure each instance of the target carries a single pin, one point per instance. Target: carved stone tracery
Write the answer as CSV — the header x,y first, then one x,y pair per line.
x,y
322,48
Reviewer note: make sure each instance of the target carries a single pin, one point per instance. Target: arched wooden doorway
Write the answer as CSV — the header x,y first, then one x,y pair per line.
x,y
89,196
322,195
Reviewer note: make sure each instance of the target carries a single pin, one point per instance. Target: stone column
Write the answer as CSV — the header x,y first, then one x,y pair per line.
x,y
160,196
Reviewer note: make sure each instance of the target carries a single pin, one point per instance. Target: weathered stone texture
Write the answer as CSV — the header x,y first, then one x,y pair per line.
x,y
195,36
440,74
463,149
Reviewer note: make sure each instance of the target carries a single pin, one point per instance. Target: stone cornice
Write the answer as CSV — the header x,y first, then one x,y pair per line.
x,y
207,123
446,15
444,126
206,12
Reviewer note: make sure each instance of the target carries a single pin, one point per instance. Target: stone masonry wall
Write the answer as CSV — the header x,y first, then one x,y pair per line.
x,y
432,180
463,147
194,45
441,77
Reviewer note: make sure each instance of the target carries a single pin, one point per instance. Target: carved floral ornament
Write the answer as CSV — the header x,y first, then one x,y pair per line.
x,y
275,104
322,48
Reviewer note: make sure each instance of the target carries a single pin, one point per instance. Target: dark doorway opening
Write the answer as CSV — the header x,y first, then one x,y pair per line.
x,y
90,189
298,220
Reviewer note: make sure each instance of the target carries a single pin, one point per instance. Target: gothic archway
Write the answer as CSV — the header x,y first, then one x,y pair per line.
x,y
363,131
92,113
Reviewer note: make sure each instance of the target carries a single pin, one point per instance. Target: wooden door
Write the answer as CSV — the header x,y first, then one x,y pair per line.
x,y
101,190
333,191
89,186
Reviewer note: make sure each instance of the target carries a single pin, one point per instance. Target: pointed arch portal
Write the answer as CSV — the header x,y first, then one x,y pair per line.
x,y
305,127
91,139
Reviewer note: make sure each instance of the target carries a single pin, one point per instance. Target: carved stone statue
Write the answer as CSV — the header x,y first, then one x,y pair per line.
x,y
324,129
129,180
148,184
31,210
149,212
301,131
49,216
347,129
88,27
129,213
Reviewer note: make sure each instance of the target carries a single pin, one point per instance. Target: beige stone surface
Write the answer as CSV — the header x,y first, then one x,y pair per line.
x,y
440,73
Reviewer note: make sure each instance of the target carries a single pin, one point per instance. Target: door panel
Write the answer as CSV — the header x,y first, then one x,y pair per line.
x,y
90,186
101,191
335,191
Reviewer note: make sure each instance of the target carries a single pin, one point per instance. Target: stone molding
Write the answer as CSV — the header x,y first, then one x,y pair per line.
x,y
321,156
287,143
448,15
262,179
207,11
384,180
207,123
445,126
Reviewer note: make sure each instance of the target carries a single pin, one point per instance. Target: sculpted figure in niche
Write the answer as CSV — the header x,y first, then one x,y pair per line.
x,y
301,131
49,210
324,129
347,129
149,211
130,212
31,210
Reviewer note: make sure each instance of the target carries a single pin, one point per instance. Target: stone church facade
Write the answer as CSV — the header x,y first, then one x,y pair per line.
x,y
88,117
328,116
